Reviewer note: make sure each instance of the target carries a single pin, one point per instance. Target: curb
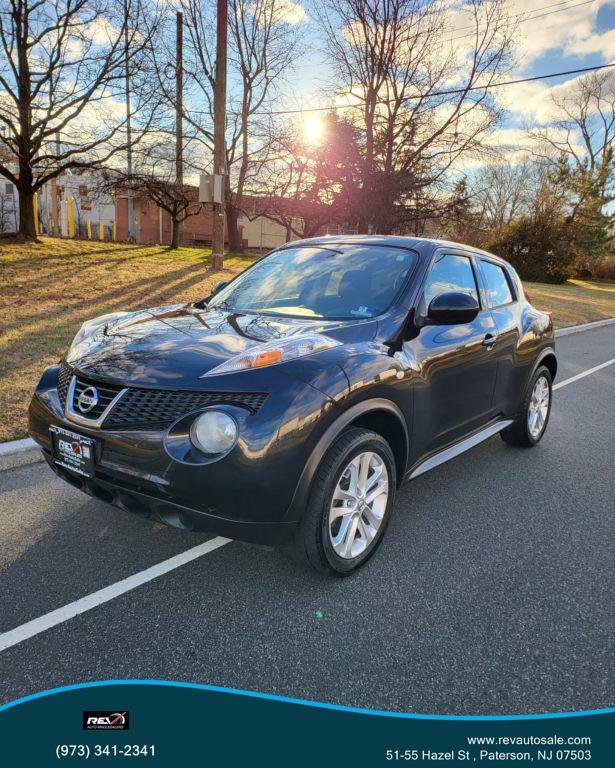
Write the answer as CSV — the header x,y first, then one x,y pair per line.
x,y
18,453
27,444
17,446
583,327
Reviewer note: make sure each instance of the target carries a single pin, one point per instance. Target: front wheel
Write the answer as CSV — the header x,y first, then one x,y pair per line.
x,y
531,423
350,504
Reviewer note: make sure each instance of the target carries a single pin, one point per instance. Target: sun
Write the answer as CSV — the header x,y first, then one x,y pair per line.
x,y
313,129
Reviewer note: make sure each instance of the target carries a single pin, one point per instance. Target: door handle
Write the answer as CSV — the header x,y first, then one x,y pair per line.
x,y
489,340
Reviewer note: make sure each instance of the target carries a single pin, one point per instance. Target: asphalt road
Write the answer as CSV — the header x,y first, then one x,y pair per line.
x,y
493,592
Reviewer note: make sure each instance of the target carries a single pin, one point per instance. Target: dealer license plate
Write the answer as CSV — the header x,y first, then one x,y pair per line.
x,y
73,451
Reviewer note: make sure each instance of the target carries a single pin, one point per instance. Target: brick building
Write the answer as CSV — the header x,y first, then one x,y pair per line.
x,y
152,225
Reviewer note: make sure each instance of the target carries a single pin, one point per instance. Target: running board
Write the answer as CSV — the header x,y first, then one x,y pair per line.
x,y
458,448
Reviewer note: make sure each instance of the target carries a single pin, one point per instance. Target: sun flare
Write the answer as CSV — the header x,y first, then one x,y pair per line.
x,y
313,129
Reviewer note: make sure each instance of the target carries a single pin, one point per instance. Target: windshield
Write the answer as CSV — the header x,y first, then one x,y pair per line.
x,y
340,282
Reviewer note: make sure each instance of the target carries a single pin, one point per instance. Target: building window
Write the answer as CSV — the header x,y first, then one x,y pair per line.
x,y
83,190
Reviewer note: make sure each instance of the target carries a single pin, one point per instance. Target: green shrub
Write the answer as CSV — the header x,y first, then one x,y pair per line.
x,y
605,269
540,251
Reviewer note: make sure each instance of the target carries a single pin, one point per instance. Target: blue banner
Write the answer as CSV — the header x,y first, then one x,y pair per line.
x,y
173,724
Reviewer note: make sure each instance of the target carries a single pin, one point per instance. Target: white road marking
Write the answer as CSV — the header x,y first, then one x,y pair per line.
x,y
583,374
52,619
60,615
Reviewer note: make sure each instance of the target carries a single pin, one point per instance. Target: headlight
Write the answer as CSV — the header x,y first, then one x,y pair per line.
x,y
91,326
275,352
213,432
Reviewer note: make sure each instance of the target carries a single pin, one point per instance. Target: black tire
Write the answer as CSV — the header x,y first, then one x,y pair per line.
x,y
518,433
312,545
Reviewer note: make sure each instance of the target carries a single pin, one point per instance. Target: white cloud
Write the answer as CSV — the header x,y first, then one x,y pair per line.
x,y
277,11
529,102
74,48
102,32
570,29
532,103
604,44
513,144
290,12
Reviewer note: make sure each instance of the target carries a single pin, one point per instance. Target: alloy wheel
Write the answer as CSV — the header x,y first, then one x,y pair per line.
x,y
539,407
358,505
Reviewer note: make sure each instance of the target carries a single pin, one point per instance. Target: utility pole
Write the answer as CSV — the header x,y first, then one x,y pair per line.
x,y
179,107
129,200
217,256
55,195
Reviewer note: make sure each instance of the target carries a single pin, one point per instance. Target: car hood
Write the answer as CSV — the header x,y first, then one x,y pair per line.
x,y
173,346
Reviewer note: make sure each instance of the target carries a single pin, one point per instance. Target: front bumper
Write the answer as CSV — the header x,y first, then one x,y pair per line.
x,y
249,495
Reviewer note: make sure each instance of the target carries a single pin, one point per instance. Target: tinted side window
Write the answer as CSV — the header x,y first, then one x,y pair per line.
x,y
498,288
450,273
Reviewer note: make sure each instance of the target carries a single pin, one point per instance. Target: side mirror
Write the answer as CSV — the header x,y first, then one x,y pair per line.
x,y
219,286
452,309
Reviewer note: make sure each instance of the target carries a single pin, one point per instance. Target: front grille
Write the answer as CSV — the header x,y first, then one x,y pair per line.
x,y
106,393
149,407
64,376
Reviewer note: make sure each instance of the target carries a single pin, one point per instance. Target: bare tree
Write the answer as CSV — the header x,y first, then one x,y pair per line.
x,y
62,72
421,99
579,145
502,191
180,201
155,176
583,128
263,47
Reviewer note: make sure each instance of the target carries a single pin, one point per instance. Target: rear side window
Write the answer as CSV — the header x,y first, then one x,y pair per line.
x,y
498,287
450,273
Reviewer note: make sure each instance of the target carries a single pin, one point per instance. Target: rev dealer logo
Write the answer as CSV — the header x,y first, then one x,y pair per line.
x,y
105,721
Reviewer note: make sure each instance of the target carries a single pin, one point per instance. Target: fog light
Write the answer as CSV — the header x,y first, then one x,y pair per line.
x,y
214,432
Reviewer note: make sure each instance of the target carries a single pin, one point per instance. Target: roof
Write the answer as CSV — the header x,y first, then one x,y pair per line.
x,y
395,241
391,240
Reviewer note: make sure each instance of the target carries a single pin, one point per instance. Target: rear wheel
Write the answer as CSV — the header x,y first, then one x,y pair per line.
x,y
531,423
350,504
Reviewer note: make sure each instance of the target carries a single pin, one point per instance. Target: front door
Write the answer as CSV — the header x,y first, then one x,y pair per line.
x,y
456,371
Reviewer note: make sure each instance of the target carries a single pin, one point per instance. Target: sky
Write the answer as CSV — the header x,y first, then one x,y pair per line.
x,y
570,34
552,35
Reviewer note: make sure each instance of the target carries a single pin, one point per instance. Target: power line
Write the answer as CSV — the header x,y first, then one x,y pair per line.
x,y
449,92
513,16
528,15
567,6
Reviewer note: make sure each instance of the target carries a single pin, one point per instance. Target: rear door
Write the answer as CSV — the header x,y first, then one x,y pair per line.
x,y
500,294
456,370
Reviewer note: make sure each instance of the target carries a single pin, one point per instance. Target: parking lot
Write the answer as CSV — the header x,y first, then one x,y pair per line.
x,y
493,591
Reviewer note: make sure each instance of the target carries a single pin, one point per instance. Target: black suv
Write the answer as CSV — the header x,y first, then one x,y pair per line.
x,y
287,407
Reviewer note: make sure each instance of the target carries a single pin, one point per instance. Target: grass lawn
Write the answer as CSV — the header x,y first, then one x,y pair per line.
x,y
575,302
47,290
